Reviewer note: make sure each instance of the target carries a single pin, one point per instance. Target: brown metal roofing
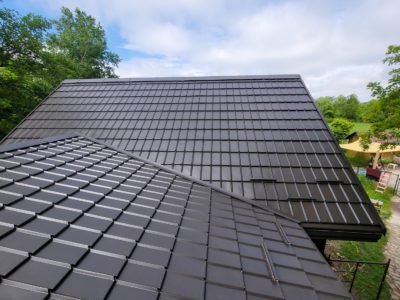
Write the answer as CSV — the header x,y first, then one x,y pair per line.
x,y
257,136
81,219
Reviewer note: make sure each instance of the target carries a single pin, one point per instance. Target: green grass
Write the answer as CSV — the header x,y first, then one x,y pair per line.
x,y
361,127
369,186
368,277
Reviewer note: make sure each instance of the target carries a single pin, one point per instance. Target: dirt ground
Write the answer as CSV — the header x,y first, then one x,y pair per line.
x,y
392,249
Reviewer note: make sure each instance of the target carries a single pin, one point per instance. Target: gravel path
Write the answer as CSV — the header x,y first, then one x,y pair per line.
x,y
392,249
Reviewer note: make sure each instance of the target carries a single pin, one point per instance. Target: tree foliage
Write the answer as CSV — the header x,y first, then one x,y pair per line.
x,y
326,106
386,114
341,128
347,107
368,110
340,107
22,83
383,112
21,38
36,54
81,40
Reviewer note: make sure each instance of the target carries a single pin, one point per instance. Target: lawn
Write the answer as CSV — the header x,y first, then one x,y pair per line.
x,y
361,127
368,277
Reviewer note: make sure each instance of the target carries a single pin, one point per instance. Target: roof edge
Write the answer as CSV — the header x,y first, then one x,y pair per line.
x,y
32,111
351,170
343,232
189,78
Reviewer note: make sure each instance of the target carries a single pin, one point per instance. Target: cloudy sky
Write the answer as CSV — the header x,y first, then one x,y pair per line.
x,y
337,46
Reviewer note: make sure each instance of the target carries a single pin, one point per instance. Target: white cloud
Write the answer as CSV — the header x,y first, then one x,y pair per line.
x,y
346,80
337,46
157,67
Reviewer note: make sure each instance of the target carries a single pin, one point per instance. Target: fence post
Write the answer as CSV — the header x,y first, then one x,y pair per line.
x,y
396,186
354,277
383,279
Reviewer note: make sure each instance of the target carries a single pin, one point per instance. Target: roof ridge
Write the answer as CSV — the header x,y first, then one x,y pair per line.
x,y
188,78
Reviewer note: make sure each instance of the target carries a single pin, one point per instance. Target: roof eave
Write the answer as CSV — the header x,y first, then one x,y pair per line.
x,y
354,232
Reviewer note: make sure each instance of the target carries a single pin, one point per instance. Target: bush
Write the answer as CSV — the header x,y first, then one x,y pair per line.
x,y
386,161
341,128
358,160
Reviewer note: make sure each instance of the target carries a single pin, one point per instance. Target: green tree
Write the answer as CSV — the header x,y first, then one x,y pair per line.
x,y
36,54
325,105
368,111
21,66
392,58
21,38
347,107
82,42
340,107
387,111
341,128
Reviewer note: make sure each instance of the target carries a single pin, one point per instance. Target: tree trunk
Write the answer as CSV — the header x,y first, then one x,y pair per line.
x,y
376,160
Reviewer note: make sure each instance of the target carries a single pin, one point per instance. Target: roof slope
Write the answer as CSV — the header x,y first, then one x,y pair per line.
x,y
258,136
83,220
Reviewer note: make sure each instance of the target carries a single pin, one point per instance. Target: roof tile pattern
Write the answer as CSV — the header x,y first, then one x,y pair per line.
x,y
261,137
80,219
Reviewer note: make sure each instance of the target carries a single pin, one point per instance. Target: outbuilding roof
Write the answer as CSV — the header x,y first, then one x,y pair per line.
x,y
82,219
373,147
261,137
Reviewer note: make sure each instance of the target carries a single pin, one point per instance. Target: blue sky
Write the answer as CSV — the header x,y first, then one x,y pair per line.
x,y
336,45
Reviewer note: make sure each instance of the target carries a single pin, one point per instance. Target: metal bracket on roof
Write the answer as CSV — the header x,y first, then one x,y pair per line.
x,y
326,181
263,179
269,263
297,199
282,233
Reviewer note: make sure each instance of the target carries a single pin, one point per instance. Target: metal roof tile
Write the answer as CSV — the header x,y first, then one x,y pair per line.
x,y
225,115
23,241
172,240
214,291
9,261
99,263
217,274
84,237
262,286
39,274
10,292
61,252
14,217
144,275
125,292
84,286
45,226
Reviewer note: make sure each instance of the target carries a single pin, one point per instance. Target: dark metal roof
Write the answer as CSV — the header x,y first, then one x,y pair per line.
x,y
81,219
258,136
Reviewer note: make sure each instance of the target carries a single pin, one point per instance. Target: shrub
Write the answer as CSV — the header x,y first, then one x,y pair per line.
x,y
341,128
358,160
